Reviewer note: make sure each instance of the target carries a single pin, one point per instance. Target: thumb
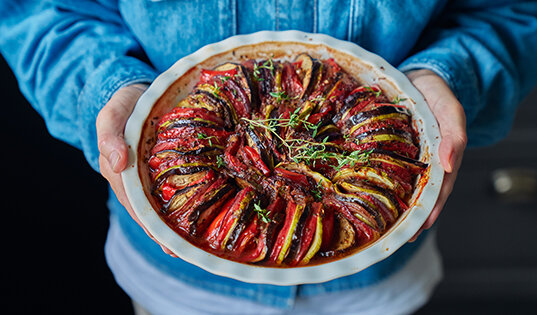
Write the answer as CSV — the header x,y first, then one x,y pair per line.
x,y
110,125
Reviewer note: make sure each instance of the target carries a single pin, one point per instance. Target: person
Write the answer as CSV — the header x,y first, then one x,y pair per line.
x,y
83,64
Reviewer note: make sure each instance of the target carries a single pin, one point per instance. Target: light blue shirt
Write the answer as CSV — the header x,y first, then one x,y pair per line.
x,y
70,56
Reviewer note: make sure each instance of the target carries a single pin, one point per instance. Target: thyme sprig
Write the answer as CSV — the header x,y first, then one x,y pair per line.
x,y
202,136
262,214
268,64
304,150
396,100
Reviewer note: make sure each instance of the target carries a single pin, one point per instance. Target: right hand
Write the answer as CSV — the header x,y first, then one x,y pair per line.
x,y
113,156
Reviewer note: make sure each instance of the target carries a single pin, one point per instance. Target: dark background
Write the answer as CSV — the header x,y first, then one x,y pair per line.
x,y
55,224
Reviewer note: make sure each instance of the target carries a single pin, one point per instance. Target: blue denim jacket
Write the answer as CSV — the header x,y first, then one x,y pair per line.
x,y
70,56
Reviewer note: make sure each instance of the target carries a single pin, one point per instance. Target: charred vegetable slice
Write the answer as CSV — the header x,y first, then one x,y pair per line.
x,y
381,114
281,247
386,199
253,243
310,238
238,88
231,221
300,168
349,206
361,203
309,70
212,95
346,236
203,210
256,141
354,103
373,176
179,202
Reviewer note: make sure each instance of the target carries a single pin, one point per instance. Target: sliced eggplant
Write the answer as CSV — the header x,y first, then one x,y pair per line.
x,y
181,199
363,223
194,101
256,141
378,193
383,113
385,134
239,207
329,132
309,70
181,169
188,122
239,89
371,175
414,166
203,211
364,203
345,236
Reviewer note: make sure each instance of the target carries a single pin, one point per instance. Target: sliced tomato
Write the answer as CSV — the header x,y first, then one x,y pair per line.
x,y
291,83
208,76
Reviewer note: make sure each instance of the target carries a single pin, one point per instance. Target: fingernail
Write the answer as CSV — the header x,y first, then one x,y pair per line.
x,y
113,159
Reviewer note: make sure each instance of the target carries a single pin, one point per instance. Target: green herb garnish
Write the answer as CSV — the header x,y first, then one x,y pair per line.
x,y
280,96
220,161
396,100
202,136
262,214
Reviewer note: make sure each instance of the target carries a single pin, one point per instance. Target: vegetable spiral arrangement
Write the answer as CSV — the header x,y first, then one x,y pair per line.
x,y
283,163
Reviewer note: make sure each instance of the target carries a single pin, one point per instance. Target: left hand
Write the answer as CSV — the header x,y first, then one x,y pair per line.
x,y
112,147
452,122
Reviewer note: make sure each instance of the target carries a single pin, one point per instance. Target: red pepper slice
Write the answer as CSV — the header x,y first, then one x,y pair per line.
x,y
232,218
401,148
167,191
290,81
182,112
328,228
252,245
238,97
256,159
384,123
333,64
402,205
207,76
285,235
299,179
214,228
308,231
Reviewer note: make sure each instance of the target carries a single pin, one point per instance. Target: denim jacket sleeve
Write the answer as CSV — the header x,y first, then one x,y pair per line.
x,y
485,50
69,60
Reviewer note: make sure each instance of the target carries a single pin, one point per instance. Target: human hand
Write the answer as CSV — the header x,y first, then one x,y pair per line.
x,y
452,122
112,147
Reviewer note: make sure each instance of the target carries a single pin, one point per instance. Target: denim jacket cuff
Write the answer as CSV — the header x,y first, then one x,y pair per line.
x,y
456,70
98,89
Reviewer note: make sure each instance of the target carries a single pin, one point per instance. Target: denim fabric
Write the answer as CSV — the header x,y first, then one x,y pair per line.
x,y
70,56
